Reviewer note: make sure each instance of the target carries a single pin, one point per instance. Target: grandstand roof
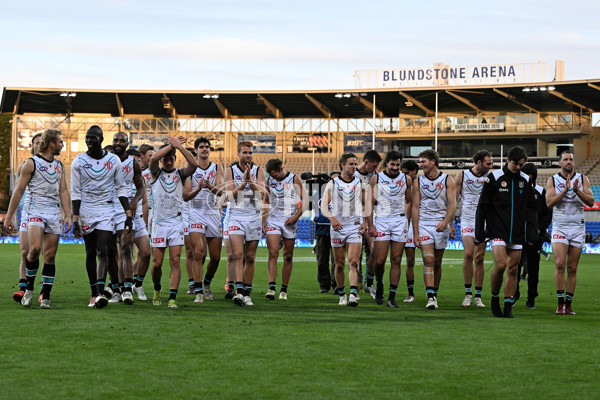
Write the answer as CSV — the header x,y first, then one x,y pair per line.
x,y
568,97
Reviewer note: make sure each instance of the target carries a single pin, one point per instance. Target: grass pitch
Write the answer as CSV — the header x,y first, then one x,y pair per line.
x,y
307,347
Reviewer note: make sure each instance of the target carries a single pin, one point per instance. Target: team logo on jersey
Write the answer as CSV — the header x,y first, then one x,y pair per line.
x,y
273,185
57,169
560,186
503,184
158,240
470,182
425,186
87,166
521,184
108,165
440,185
127,169
43,169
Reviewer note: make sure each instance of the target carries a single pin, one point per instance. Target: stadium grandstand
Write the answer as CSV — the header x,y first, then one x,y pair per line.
x,y
310,130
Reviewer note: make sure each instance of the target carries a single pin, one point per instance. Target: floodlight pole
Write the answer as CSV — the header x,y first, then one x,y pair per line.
x,y
374,108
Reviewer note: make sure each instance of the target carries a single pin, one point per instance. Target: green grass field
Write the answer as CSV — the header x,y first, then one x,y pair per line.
x,y
307,347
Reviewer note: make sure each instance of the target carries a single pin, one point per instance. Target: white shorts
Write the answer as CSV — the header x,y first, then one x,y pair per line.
x,y
571,236
348,234
409,237
277,226
140,226
185,216
203,222
395,230
48,218
167,235
24,218
251,229
501,242
467,227
226,227
429,235
93,217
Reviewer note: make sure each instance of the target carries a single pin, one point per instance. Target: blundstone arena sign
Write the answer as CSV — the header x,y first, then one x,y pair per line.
x,y
447,75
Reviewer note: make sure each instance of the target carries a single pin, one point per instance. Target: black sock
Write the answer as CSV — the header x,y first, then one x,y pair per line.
x,y
272,286
31,269
410,285
478,290
230,285
342,291
569,299
128,285
48,273
393,290
173,294
429,291
561,297
22,285
239,288
369,279
247,289
139,279
208,279
198,287
157,285
284,288
468,290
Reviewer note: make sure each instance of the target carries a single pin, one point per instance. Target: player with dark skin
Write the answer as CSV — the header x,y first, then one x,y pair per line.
x,y
100,243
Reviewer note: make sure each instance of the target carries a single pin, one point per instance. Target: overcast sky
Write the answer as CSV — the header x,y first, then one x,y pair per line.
x,y
259,44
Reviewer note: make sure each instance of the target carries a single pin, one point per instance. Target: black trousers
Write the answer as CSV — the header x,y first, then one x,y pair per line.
x,y
325,264
532,254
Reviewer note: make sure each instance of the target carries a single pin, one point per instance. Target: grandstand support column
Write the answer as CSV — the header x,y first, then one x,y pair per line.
x,y
329,144
284,143
436,120
374,116
13,150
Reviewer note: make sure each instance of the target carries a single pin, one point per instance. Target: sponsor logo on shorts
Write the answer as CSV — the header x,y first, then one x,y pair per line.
x,y
271,228
35,219
186,230
499,240
197,226
234,228
467,230
336,240
23,224
409,240
423,238
557,236
85,227
380,234
158,240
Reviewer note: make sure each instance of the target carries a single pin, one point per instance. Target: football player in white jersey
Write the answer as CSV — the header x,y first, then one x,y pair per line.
x,y
132,175
365,171
167,206
433,207
245,190
44,175
202,190
567,191
95,176
142,261
343,204
287,201
411,170
468,187
390,194
23,243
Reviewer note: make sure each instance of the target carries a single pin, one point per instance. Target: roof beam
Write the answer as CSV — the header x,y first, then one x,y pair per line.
x,y
515,100
224,111
568,100
594,86
322,107
120,106
16,107
271,107
417,103
464,100
168,105
371,106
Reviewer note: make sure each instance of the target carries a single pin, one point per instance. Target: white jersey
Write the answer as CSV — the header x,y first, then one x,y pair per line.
x,y
470,192
283,196
205,200
346,201
127,168
569,211
364,178
95,181
44,186
391,196
167,197
148,179
434,197
245,206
